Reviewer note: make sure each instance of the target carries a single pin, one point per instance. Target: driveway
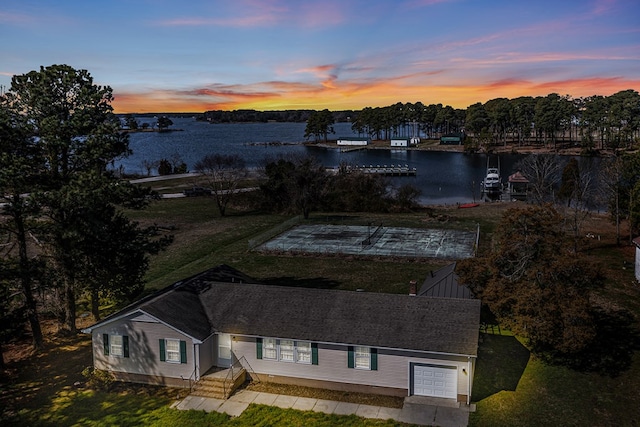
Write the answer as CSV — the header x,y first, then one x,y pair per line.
x,y
416,409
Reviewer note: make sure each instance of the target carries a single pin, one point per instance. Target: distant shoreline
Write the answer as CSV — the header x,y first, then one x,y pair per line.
x,y
151,130
434,145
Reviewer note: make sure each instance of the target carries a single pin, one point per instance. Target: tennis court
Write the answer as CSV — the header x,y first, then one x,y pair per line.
x,y
376,241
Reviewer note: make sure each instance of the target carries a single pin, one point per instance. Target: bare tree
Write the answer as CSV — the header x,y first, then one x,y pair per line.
x,y
611,176
223,173
579,188
149,165
543,173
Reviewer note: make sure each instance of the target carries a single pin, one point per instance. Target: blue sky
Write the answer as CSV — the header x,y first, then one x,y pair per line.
x,y
192,55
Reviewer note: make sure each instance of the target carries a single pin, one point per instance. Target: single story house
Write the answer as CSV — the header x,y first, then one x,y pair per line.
x,y
353,141
343,340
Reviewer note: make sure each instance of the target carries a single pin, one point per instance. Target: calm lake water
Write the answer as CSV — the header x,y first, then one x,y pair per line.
x,y
443,177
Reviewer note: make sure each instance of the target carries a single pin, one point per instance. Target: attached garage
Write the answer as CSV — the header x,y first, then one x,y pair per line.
x,y
434,381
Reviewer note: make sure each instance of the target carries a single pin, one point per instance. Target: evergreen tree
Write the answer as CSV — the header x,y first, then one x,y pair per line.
x,y
320,124
71,120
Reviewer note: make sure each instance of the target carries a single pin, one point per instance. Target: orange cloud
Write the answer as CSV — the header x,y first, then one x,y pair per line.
x,y
341,95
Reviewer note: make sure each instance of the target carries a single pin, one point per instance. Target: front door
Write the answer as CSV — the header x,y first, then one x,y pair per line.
x,y
224,350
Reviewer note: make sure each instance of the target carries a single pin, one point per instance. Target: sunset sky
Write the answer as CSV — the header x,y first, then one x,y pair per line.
x,y
198,55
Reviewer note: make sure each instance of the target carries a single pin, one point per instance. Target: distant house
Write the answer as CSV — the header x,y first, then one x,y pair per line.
x,y
452,139
344,340
636,242
353,141
400,142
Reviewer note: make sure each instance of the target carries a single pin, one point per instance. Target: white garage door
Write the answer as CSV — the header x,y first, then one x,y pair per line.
x,y
435,381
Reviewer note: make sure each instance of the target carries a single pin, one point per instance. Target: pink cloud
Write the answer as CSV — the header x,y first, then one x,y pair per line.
x,y
253,13
601,7
426,3
16,18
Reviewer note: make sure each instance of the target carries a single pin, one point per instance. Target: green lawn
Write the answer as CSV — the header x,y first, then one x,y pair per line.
x,y
512,387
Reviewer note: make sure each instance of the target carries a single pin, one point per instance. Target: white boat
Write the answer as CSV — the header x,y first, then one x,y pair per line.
x,y
492,183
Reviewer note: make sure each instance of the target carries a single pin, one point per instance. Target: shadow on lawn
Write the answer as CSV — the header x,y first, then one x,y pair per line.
x,y
611,352
501,362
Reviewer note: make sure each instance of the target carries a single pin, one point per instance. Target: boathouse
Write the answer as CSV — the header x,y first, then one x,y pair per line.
x,y
518,186
452,139
400,142
353,141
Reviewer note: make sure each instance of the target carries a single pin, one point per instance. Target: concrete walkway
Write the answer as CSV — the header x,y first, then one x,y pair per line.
x,y
416,410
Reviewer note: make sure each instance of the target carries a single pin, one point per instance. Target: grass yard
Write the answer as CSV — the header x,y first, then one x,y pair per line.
x,y
549,395
512,387
49,390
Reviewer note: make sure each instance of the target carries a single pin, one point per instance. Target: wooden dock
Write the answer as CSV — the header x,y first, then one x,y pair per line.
x,y
350,149
391,170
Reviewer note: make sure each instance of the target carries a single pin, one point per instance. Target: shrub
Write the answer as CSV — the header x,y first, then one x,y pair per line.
x,y
97,378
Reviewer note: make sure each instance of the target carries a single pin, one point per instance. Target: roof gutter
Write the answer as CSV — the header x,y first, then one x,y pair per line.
x,y
440,353
90,329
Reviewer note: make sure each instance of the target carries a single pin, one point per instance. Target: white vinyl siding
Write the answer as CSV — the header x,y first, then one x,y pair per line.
x,y
393,366
144,349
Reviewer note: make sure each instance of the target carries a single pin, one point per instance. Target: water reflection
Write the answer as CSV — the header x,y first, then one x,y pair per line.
x,y
443,177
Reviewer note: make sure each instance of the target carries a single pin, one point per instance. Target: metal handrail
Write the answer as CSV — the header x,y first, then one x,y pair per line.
x,y
192,378
231,376
226,380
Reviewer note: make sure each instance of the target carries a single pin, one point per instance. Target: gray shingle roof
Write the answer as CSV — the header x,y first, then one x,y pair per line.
x,y
202,305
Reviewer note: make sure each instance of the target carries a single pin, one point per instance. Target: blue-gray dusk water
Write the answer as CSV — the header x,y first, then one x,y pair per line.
x,y
442,177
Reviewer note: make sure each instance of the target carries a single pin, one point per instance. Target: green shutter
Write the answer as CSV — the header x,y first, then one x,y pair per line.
x,y
314,353
105,343
183,352
258,348
374,359
351,363
163,353
125,345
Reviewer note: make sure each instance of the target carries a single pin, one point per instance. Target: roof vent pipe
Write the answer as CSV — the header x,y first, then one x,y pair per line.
x,y
413,288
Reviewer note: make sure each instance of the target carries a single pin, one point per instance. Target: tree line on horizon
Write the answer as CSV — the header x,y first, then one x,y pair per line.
x,y
595,122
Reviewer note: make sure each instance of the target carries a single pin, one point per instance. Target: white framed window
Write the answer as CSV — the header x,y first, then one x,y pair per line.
x,y
269,349
287,351
303,352
172,348
362,357
116,347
